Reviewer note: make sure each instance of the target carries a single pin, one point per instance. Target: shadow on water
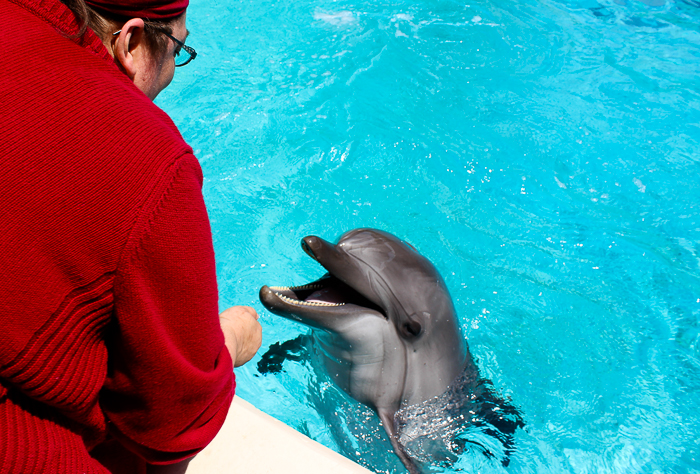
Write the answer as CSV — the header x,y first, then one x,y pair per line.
x,y
470,417
295,349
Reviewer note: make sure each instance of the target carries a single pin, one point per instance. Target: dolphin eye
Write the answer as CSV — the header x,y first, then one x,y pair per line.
x,y
411,329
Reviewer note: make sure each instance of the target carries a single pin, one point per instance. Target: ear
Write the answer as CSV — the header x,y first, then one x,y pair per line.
x,y
128,46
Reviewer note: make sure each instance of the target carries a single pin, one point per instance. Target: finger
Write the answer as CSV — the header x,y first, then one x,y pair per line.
x,y
237,311
252,311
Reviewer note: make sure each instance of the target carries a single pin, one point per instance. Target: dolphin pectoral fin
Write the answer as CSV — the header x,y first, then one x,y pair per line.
x,y
387,418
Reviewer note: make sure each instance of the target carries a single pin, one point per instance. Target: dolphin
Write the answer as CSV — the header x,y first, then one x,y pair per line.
x,y
384,320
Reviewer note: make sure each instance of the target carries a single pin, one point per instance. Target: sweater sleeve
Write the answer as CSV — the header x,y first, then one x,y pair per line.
x,y
170,378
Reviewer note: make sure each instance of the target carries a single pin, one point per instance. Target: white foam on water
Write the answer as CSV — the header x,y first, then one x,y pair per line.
x,y
341,18
403,16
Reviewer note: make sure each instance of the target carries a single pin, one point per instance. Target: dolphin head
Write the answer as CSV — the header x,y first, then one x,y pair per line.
x,y
389,273
373,273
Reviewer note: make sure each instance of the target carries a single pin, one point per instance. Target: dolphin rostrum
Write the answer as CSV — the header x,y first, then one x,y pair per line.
x,y
384,320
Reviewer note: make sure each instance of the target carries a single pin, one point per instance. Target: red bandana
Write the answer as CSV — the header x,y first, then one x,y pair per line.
x,y
146,9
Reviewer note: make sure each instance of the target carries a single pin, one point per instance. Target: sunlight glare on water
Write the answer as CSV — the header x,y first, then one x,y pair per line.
x,y
543,155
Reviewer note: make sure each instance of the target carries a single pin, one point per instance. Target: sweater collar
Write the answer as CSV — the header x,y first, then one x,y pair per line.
x,y
63,20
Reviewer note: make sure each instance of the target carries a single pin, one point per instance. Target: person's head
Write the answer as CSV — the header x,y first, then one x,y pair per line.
x,y
142,36
150,66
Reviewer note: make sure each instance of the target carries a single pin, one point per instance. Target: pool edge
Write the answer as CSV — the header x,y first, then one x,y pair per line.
x,y
254,442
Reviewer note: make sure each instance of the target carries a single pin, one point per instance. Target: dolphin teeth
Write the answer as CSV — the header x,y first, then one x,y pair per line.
x,y
304,303
310,286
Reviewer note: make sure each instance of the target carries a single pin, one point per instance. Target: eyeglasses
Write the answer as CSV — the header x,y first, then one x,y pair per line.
x,y
180,60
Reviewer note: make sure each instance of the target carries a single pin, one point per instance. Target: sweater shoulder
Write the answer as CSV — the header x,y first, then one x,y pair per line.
x,y
76,92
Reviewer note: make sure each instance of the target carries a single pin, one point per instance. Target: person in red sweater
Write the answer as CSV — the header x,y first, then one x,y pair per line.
x,y
113,357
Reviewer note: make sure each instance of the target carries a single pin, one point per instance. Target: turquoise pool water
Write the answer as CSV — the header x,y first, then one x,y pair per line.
x,y
545,155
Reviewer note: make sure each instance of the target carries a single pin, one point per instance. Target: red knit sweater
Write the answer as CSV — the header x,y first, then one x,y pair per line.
x,y
108,301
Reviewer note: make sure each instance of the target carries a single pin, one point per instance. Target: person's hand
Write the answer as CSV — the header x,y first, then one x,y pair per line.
x,y
242,333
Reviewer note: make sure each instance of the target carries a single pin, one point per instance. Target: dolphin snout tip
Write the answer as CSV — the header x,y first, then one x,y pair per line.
x,y
311,245
265,291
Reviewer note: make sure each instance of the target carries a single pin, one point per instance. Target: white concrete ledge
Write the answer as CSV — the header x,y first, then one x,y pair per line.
x,y
256,443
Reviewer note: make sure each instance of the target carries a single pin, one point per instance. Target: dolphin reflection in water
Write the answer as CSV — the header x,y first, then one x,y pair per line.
x,y
385,326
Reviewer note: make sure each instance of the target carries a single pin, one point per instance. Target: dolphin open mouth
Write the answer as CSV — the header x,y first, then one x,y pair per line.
x,y
322,292
327,292
330,294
